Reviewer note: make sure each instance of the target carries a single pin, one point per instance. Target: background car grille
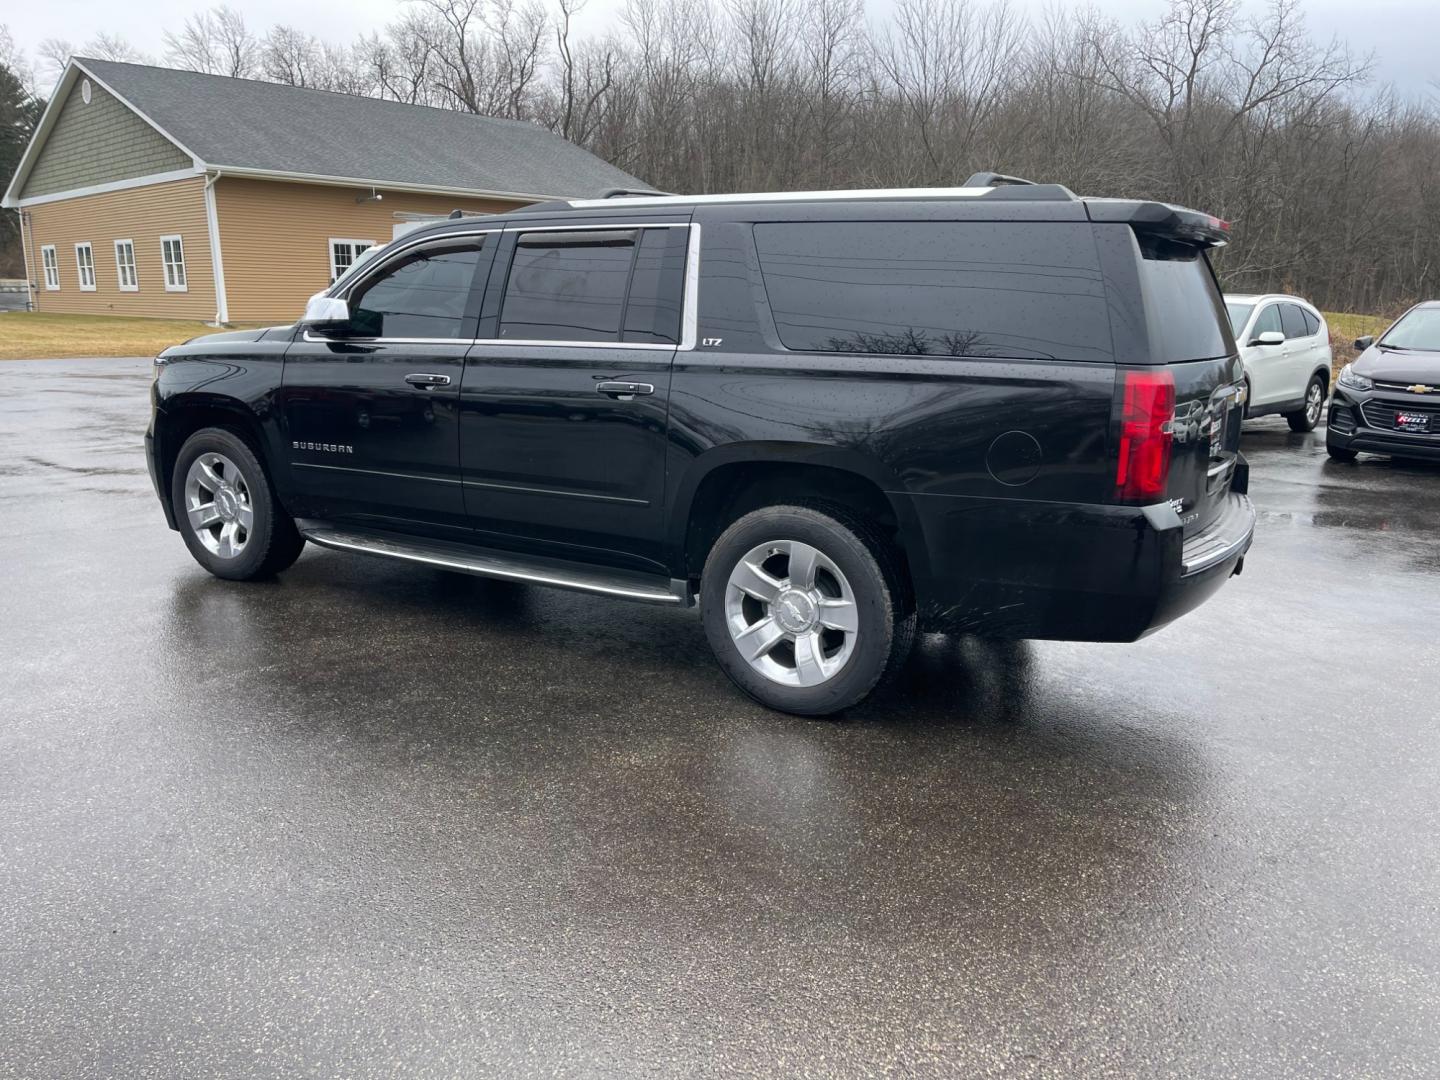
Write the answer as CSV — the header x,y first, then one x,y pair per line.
x,y
1404,387
1381,414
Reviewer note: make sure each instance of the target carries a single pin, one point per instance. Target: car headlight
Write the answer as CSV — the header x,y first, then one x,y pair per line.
x,y
1352,381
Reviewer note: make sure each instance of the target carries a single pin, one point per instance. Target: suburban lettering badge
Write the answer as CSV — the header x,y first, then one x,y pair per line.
x,y
324,447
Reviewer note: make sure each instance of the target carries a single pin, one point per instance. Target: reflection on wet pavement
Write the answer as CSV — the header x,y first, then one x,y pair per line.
x,y
371,818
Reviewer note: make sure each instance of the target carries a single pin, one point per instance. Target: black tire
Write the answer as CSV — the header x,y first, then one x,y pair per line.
x,y
269,545
1303,420
1339,453
872,571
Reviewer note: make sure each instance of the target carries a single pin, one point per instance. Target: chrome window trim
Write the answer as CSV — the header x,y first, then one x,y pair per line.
x,y
689,316
600,226
460,341
562,343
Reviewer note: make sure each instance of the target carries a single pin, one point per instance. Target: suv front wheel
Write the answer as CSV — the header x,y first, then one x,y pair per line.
x,y
805,607
227,511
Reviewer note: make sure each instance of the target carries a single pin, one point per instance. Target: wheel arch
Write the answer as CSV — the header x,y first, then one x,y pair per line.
x,y
185,414
728,481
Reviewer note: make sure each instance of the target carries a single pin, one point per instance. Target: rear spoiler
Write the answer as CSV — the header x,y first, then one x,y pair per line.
x,y
1161,219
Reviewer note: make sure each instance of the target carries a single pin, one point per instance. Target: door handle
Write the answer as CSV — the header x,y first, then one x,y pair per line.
x,y
623,390
425,381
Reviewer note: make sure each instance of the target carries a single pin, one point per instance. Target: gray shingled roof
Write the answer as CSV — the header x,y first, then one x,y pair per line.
x,y
245,124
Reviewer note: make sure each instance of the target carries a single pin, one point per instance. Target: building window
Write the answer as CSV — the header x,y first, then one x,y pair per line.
x,y
343,254
52,267
172,255
125,266
85,266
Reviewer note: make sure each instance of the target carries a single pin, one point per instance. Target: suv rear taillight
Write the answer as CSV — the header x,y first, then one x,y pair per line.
x,y
1147,407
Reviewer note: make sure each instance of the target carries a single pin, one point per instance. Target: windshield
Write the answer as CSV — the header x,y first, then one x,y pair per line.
x,y
1238,314
1417,329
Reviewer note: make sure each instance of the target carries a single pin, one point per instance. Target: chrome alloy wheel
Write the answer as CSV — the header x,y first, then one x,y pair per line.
x,y
1314,401
217,502
791,613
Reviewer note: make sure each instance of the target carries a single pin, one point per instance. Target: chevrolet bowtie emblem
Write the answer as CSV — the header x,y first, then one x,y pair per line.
x,y
1419,388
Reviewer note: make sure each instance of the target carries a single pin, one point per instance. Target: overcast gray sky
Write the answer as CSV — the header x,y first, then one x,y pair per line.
x,y
1403,34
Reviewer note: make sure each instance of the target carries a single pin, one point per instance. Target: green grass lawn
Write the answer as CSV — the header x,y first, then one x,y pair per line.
x,y
28,335
1344,329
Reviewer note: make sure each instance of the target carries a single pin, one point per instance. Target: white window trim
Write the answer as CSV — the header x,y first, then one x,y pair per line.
x,y
335,270
80,267
50,267
165,266
120,269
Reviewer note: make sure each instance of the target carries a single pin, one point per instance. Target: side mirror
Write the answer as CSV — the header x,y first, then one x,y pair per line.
x,y
1269,337
1363,343
326,313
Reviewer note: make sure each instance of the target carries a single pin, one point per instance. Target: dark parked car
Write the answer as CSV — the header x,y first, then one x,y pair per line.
x,y
1388,400
835,418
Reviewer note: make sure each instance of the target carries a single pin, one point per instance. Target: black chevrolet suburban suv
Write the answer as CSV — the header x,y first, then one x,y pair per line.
x,y
833,418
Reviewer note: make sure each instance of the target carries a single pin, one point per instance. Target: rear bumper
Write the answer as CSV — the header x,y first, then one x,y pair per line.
x,y
1074,573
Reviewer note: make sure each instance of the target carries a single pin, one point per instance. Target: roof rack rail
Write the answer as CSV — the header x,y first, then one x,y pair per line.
x,y
995,179
622,193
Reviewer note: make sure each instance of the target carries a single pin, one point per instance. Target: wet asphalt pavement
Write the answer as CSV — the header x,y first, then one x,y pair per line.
x,y
370,819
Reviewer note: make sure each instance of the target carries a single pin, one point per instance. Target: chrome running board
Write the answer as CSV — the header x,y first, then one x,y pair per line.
x,y
510,566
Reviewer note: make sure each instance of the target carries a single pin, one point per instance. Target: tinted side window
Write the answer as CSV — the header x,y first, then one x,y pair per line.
x,y
1293,321
568,286
942,288
1312,324
423,294
1187,313
1268,320
652,313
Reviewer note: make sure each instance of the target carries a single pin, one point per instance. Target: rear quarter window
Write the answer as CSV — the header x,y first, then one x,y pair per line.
x,y
1029,290
1187,313
1292,319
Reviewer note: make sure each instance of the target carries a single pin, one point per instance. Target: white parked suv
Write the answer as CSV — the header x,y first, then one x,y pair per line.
x,y
1285,346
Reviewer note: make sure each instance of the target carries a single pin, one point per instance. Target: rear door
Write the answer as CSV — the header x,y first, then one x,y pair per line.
x,y
371,412
564,406
1299,351
1319,340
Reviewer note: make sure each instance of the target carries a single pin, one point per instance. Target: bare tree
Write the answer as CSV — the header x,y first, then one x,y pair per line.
x,y
486,55
216,42
290,56
1334,189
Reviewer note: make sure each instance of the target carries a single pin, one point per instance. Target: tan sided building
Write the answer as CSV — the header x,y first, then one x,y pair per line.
x,y
152,192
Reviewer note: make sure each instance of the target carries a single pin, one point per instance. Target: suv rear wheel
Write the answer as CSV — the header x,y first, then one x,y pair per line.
x,y
227,511
805,607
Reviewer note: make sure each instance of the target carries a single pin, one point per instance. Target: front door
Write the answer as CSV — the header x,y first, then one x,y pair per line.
x,y
564,408
372,411
1265,364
